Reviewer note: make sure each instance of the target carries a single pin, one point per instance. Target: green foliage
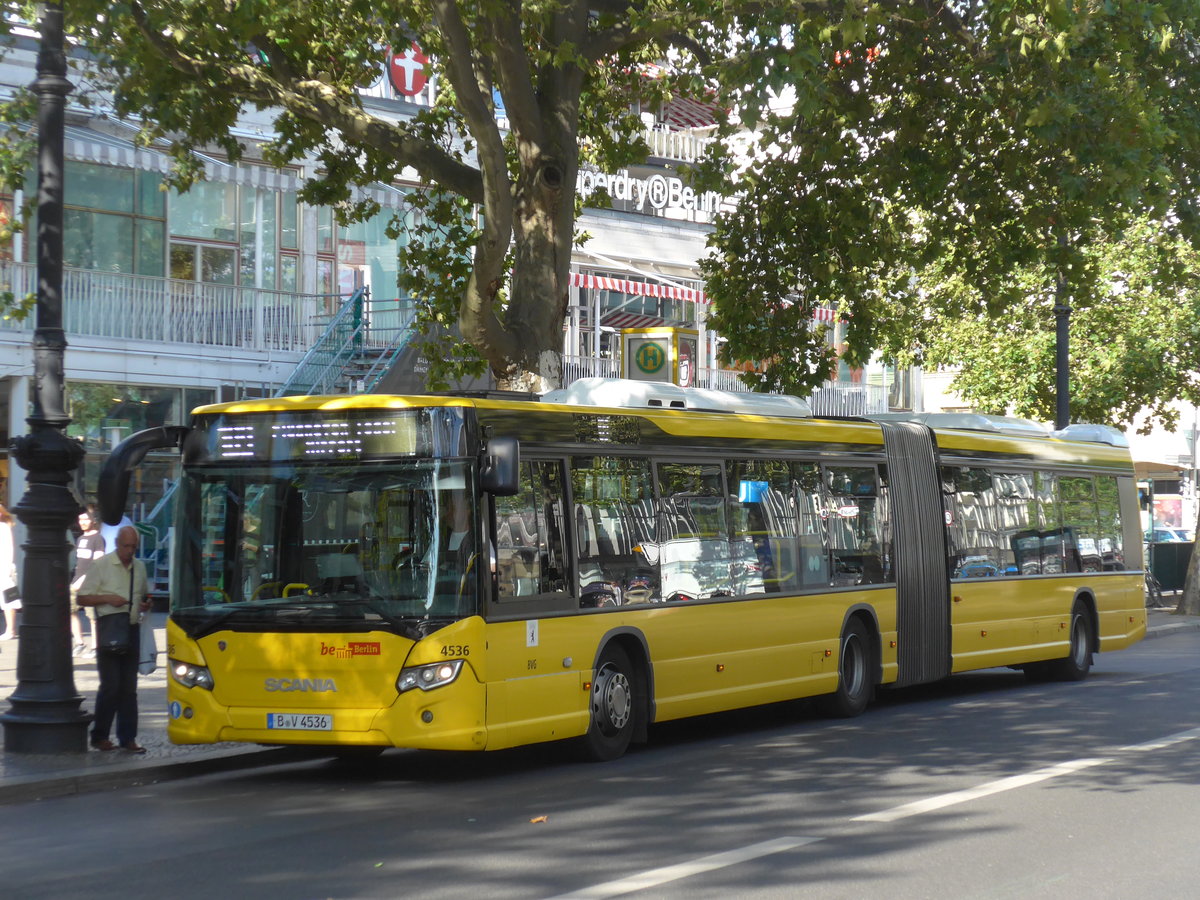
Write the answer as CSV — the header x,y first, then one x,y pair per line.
x,y
1135,342
435,265
936,173
928,170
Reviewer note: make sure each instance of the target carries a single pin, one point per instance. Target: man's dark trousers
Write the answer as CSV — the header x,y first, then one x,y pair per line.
x,y
118,692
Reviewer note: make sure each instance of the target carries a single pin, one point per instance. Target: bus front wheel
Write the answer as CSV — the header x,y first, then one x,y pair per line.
x,y
612,707
854,674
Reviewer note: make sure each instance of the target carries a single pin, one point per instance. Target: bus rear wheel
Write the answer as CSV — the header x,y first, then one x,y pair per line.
x,y
854,674
612,704
1078,661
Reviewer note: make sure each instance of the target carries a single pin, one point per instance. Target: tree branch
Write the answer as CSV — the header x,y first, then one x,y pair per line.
x,y
514,71
478,321
324,104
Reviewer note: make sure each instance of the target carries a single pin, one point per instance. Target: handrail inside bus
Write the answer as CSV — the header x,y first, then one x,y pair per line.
x,y
113,488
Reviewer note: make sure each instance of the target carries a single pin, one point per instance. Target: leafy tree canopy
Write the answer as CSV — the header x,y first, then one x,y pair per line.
x,y
882,145
1135,345
941,166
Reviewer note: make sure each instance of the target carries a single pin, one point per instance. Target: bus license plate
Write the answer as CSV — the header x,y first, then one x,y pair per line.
x,y
300,721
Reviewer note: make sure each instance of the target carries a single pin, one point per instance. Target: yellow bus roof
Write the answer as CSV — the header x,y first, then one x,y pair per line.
x,y
682,422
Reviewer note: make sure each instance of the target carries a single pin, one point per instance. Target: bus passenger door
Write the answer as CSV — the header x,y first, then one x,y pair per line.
x,y
535,668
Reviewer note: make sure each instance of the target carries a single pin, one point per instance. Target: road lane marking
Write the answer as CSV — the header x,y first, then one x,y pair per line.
x,y
1171,739
929,804
655,877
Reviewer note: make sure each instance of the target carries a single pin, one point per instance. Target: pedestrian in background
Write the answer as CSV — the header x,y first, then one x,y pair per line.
x,y
115,585
10,598
89,547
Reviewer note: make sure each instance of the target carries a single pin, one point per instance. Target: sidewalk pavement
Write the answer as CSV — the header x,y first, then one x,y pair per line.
x,y
28,776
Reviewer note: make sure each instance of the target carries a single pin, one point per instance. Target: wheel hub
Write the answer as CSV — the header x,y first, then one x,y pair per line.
x,y
613,699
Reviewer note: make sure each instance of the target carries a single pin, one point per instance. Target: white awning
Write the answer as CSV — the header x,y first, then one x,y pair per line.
x,y
1160,451
86,145
90,145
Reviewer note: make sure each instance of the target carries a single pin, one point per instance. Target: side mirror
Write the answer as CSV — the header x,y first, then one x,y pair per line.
x,y
500,467
113,489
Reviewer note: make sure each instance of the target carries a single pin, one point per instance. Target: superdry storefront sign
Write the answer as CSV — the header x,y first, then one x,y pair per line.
x,y
652,195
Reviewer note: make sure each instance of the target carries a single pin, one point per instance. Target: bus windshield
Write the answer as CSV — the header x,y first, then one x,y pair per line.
x,y
320,547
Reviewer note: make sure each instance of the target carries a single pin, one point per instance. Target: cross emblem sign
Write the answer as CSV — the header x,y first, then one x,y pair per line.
x,y
407,71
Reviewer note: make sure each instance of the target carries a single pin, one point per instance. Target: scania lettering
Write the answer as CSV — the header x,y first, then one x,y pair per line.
x,y
300,684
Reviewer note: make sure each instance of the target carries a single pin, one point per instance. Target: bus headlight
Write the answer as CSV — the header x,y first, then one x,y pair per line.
x,y
191,675
428,677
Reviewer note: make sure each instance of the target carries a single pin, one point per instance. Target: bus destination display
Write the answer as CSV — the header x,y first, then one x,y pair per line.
x,y
292,436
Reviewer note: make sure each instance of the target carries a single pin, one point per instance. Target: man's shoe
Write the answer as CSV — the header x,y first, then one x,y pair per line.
x,y
104,745
133,747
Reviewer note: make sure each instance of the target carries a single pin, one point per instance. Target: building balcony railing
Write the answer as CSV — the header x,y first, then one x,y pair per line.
x,y
147,308
676,145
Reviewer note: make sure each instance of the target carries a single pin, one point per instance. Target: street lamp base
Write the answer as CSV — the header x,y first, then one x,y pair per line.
x,y
45,727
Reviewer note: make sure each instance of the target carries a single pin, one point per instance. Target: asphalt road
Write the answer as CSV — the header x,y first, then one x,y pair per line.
x,y
983,786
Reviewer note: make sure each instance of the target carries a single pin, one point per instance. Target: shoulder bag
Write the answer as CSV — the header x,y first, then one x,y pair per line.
x,y
114,631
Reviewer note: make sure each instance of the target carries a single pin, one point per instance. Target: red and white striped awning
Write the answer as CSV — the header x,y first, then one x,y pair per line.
x,y
668,291
684,113
637,288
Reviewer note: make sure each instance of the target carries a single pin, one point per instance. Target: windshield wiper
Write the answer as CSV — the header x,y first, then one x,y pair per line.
x,y
403,623
207,626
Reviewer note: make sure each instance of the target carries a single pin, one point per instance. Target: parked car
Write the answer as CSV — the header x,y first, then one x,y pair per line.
x,y
1166,534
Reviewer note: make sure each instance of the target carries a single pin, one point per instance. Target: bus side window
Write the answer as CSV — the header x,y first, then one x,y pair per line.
x,y
763,516
1108,500
694,549
530,558
971,507
614,531
1016,520
855,543
812,511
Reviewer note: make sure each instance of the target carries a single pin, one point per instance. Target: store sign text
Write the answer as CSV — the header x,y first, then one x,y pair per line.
x,y
658,192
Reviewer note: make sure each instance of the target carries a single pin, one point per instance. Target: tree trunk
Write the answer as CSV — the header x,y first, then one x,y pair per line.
x,y
544,236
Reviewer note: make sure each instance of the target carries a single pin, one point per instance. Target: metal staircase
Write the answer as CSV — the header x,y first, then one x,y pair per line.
x,y
322,367
357,348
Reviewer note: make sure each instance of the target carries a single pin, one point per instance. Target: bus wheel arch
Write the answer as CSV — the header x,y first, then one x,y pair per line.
x,y
858,667
618,698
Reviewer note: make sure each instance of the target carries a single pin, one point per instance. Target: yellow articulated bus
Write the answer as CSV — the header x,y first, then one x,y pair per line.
x,y
474,572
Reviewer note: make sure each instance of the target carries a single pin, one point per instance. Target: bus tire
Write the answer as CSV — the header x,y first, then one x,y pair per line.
x,y
855,665
1078,661
612,707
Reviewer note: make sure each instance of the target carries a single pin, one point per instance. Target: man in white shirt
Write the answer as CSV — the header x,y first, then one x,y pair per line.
x,y
115,585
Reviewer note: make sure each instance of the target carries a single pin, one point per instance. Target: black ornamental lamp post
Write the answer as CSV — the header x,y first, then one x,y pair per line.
x,y
46,714
1062,365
